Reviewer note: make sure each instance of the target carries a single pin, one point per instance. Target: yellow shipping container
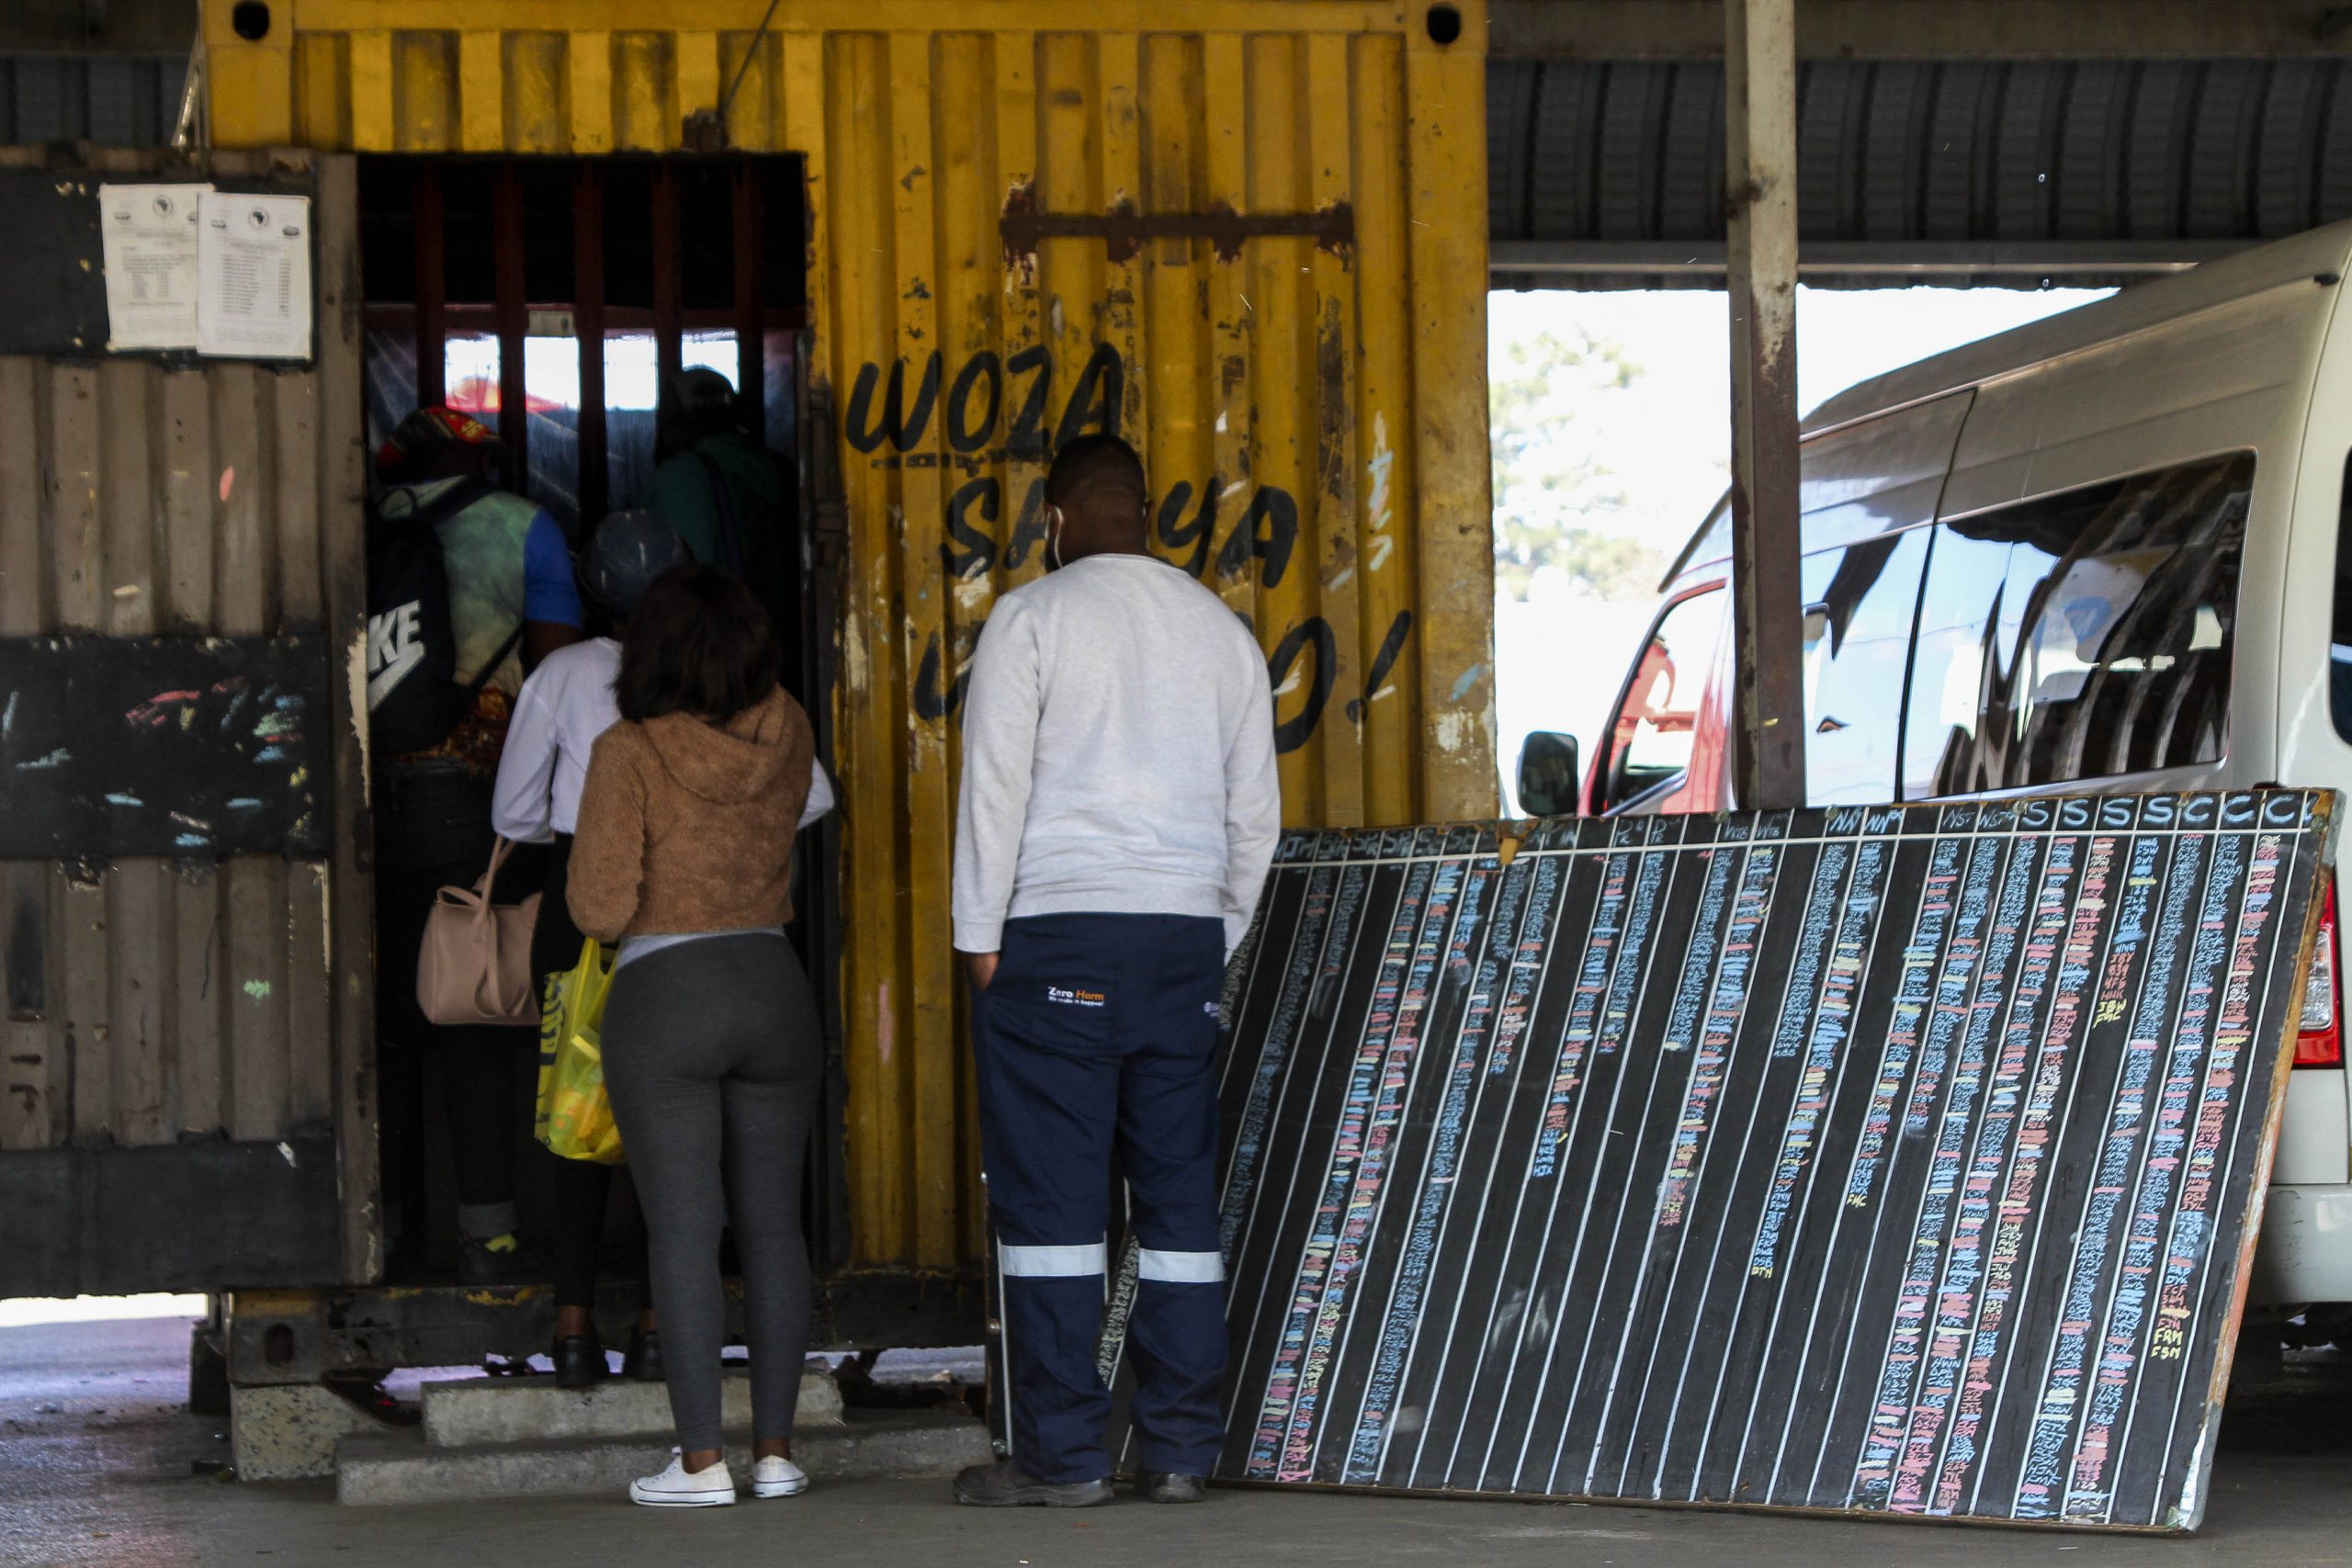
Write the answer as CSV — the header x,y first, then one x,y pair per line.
x,y
1250,234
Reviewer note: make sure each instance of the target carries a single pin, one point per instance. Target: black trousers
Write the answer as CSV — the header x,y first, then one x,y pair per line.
x,y
578,1189
433,830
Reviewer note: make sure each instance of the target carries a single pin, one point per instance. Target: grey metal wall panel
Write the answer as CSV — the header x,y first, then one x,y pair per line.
x,y
112,101
2119,157
151,1000
136,501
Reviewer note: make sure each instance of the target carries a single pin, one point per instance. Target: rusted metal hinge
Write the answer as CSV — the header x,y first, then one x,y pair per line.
x,y
1122,229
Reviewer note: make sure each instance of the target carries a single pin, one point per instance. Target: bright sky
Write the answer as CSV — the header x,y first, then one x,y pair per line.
x,y
551,367
1667,441
1668,435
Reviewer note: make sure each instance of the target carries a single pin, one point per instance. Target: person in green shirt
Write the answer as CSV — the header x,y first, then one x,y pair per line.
x,y
734,501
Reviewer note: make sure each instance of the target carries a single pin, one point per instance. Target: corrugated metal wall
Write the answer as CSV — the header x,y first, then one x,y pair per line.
x,y
1248,233
1890,152
112,101
152,1001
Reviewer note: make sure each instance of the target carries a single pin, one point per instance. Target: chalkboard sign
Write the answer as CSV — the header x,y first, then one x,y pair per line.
x,y
1892,1161
52,269
193,747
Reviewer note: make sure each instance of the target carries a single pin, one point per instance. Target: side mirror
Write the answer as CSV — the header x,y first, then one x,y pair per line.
x,y
1548,775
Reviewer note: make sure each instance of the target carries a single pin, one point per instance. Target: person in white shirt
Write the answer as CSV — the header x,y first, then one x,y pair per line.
x,y
1118,812
567,703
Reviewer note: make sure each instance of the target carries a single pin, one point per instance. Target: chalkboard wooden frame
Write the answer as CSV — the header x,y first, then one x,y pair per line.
x,y
1970,1108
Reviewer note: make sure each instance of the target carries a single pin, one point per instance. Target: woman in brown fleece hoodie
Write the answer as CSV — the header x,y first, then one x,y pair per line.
x,y
684,856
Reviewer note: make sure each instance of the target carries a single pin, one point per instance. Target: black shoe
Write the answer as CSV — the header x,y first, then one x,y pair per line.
x,y
1005,1485
1170,1486
578,1361
643,1362
478,1264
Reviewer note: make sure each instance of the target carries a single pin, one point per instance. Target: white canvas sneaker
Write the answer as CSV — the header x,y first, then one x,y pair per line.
x,y
778,1478
678,1488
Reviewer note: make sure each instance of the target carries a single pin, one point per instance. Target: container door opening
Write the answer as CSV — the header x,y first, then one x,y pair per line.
x,y
559,301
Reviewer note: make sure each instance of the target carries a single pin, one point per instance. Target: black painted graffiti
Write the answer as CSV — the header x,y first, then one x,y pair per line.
x,y
975,399
902,426
969,551
1315,632
973,416
1381,663
1267,531
932,704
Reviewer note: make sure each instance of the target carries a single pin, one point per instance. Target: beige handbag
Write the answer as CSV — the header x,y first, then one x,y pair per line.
x,y
475,967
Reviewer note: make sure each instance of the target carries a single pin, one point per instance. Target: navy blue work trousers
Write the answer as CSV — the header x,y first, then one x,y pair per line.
x,y
1097,1035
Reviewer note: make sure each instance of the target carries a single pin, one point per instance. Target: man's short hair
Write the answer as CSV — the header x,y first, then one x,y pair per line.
x,y
1092,466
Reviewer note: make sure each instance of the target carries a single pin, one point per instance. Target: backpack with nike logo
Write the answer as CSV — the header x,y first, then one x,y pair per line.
x,y
413,697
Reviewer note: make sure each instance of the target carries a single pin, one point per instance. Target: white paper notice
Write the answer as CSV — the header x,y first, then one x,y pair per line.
x,y
252,266
148,238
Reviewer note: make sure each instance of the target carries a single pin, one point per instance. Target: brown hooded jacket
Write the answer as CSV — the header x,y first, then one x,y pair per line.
x,y
686,826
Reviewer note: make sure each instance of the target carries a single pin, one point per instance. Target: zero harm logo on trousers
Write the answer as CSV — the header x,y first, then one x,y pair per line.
x,y
1074,998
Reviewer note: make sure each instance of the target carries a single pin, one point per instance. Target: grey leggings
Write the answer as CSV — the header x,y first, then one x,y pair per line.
x,y
714,1061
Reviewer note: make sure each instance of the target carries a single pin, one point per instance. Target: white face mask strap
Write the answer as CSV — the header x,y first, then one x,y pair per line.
x,y
1054,540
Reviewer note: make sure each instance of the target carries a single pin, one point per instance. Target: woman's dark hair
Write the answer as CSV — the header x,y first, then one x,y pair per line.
x,y
698,643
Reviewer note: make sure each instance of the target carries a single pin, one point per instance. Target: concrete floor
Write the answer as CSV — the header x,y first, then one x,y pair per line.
x,y
99,1464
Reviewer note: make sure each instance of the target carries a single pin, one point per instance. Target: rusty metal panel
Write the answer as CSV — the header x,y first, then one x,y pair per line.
x,y
1251,236
154,1001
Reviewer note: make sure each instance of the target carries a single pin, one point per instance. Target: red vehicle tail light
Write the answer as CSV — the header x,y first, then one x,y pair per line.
x,y
2319,1040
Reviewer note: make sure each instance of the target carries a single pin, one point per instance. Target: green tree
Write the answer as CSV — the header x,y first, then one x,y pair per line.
x,y
1550,483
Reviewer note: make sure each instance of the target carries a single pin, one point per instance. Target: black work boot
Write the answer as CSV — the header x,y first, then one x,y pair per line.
x,y
1005,1485
1171,1486
579,1361
643,1362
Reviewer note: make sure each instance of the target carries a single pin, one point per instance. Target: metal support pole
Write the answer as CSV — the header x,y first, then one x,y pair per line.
x,y
1761,208
588,323
751,309
431,291
513,328
669,311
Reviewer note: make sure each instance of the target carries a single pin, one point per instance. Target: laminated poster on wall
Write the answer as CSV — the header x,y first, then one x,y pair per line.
x,y
254,276
149,239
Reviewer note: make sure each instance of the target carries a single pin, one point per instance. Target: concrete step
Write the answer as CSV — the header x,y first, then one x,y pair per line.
x,y
397,1465
470,1412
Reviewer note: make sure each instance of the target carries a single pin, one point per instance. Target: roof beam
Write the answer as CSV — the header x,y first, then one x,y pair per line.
x,y
1932,30
1561,263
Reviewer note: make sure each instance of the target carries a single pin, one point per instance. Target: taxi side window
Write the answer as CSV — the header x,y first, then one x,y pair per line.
x,y
1658,719
1860,604
2339,651
2081,635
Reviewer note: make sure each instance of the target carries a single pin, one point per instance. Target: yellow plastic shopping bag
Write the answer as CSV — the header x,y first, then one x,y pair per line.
x,y
575,1115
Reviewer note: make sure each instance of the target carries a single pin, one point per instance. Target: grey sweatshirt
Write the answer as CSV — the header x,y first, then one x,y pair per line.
x,y
1118,754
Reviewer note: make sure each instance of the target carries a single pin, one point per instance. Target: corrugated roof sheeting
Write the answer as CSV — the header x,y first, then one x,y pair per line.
x,y
112,101
2132,154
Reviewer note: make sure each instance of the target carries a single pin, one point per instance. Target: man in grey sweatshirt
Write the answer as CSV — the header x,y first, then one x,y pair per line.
x,y
1118,811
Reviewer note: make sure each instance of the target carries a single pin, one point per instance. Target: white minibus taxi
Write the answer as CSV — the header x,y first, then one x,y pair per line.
x,y
2109,547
